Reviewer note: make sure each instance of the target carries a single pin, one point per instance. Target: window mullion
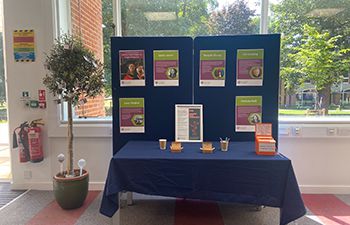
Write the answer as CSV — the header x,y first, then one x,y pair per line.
x,y
117,17
264,16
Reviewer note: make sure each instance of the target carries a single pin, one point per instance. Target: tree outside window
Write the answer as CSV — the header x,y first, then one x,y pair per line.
x,y
314,51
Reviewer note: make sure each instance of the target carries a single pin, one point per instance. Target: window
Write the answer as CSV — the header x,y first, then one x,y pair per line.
x,y
92,20
314,52
314,56
189,17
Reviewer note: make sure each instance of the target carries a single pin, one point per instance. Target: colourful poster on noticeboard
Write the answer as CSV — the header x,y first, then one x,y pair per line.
x,y
166,67
24,46
132,115
212,66
250,67
132,68
248,113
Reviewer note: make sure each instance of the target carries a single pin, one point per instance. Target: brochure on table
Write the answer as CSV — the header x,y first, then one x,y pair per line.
x,y
212,69
189,123
132,115
132,68
265,144
166,68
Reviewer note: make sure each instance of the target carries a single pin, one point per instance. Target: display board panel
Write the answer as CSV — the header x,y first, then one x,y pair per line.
x,y
159,101
219,103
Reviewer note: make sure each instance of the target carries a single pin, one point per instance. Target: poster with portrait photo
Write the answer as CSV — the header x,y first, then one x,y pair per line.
x,y
166,67
248,113
250,67
132,68
212,67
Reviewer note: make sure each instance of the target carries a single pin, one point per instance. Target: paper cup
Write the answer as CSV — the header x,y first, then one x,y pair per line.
x,y
224,145
162,144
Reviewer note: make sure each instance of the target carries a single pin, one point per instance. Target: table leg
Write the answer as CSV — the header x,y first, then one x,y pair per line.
x,y
129,198
259,207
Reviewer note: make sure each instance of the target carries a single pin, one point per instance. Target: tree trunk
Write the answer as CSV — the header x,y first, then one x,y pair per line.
x,y
70,139
325,94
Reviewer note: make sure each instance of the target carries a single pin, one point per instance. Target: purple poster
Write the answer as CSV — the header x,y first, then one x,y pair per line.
x,y
132,68
250,63
248,113
212,68
166,67
132,115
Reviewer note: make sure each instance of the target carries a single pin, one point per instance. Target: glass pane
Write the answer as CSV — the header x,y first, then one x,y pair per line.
x,y
108,31
314,56
87,21
189,17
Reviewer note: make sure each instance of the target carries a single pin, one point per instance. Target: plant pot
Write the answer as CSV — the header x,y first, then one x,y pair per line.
x,y
70,192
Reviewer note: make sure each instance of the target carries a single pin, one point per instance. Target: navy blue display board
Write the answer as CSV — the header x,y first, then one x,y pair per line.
x,y
159,101
219,102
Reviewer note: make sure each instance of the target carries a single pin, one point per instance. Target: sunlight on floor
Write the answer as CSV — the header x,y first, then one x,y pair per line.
x,y
5,166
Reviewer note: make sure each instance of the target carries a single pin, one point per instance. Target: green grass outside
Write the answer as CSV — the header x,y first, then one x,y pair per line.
x,y
3,109
301,112
108,103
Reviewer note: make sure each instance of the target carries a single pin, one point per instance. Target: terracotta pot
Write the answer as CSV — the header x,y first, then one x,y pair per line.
x,y
71,192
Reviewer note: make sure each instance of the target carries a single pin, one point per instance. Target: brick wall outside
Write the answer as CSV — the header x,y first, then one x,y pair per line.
x,y
87,23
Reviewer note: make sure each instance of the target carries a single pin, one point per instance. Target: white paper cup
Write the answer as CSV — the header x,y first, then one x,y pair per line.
x,y
162,144
224,145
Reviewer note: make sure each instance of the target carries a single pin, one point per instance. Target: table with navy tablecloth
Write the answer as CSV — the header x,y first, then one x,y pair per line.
x,y
238,175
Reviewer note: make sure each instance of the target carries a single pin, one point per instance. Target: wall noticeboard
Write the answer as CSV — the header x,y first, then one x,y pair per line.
x,y
24,45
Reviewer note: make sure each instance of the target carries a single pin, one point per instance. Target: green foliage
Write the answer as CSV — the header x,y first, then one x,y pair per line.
x,y
74,72
236,18
108,31
290,18
318,59
191,17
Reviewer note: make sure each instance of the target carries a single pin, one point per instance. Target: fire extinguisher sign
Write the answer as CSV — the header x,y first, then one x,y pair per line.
x,y
42,96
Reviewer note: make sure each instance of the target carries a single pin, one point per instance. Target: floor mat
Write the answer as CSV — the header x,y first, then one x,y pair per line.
x,y
6,194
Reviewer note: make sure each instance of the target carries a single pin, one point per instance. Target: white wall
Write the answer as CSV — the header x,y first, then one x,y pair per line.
x,y
26,76
321,165
321,162
38,15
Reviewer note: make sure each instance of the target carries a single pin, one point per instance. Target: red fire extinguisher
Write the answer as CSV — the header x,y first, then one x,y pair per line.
x,y
29,141
20,141
34,141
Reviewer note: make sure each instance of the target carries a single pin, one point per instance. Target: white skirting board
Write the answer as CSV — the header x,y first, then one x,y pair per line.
x,y
99,186
48,186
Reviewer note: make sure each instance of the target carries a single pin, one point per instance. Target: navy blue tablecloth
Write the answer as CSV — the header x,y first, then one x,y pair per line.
x,y
238,175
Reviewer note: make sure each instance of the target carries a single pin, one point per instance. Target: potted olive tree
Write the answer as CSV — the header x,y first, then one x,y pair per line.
x,y
74,74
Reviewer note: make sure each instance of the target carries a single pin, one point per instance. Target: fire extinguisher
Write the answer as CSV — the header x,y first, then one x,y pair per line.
x,y
27,137
34,140
20,141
